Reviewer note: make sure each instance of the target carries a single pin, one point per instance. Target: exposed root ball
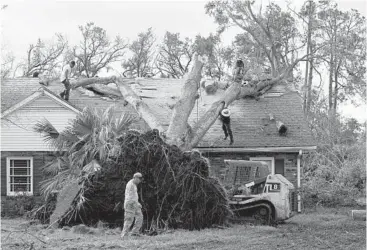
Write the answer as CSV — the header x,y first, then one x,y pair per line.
x,y
177,191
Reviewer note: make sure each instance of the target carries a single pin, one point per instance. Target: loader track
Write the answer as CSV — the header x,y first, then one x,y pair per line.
x,y
260,213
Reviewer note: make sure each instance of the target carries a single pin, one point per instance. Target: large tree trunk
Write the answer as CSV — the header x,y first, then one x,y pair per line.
x,y
141,107
309,64
95,80
309,85
305,85
177,130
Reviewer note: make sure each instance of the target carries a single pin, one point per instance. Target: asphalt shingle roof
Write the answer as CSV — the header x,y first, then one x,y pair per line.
x,y
249,118
250,121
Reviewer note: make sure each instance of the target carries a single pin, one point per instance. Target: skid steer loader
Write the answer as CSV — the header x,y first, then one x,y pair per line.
x,y
255,194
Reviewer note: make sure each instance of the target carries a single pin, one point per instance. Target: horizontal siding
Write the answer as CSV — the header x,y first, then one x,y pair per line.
x,y
17,128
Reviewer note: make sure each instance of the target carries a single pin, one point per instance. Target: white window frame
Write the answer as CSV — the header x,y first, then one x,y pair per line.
x,y
12,193
265,159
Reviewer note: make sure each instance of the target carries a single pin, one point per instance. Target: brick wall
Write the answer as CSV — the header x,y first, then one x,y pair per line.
x,y
39,159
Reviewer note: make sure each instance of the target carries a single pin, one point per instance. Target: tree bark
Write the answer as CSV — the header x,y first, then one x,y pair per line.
x,y
309,84
335,90
94,80
103,89
309,64
142,108
331,72
177,129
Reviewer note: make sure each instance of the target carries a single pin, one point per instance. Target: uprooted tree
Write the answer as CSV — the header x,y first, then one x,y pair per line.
x,y
178,182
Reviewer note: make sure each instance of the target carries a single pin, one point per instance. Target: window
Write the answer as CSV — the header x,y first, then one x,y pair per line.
x,y
268,160
19,175
279,166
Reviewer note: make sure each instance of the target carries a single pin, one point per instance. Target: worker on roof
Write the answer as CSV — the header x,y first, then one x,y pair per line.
x,y
226,124
132,207
64,78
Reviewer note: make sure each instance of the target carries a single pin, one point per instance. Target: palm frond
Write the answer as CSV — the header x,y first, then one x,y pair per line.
x,y
45,127
85,122
54,183
91,167
108,115
58,164
123,122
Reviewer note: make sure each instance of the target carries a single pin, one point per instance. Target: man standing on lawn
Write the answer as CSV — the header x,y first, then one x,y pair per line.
x,y
65,80
132,207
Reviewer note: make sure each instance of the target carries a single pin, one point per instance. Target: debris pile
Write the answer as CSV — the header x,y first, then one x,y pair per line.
x,y
177,191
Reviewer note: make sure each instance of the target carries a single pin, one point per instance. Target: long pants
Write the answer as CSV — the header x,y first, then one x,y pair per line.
x,y
227,130
66,92
129,217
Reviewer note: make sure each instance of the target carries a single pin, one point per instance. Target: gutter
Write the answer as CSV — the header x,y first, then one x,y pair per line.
x,y
299,181
267,149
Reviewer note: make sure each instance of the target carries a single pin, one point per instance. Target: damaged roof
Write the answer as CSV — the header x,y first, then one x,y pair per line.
x,y
250,121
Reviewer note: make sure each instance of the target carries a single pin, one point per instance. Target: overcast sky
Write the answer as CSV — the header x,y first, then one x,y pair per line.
x,y
23,22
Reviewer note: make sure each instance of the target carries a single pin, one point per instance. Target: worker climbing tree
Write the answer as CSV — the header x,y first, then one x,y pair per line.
x,y
225,113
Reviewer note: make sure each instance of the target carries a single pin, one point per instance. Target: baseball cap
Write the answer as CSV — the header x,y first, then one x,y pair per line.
x,y
138,175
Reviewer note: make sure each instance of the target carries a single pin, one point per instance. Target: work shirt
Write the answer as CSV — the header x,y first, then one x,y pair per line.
x,y
225,119
131,196
65,73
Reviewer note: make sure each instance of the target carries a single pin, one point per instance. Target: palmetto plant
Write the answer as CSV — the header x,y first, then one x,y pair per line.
x,y
83,146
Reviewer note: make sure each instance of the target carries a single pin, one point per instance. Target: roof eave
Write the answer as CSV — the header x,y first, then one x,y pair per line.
x,y
266,149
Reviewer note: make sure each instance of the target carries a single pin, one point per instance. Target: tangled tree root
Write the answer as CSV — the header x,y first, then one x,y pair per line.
x,y
177,191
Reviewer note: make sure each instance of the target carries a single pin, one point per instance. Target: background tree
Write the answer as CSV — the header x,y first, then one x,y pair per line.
x,y
141,61
219,57
96,51
175,55
44,56
344,38
308,15
7,63
334,174
271,37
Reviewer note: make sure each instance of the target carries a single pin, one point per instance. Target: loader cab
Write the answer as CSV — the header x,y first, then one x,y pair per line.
x,y
249,184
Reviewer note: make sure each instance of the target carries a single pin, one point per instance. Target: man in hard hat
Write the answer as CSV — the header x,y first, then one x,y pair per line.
x,y
132,207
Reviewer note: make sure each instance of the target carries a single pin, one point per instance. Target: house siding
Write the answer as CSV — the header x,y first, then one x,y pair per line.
x,y
17,128
217,167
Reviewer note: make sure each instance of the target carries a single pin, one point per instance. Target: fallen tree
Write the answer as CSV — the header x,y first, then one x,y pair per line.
x,y
185,191
180,132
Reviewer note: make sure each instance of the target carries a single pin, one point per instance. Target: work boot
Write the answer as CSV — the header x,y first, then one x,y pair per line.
x,y
231,142
62,94
225,138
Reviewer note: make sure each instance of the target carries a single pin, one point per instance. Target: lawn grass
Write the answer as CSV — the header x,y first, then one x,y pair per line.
x,y
317,229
